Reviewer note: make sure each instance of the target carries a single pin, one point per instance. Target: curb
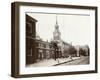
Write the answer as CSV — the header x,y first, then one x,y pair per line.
x,y
64,62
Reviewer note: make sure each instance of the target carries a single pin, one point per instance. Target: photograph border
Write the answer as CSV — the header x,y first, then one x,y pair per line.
x,y
15,69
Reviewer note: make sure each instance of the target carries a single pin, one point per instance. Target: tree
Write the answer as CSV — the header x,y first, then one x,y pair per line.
x,y
55,46
88,50
82,52
72,51
66,52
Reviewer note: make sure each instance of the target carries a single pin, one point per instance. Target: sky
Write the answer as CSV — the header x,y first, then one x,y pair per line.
x,y
74,29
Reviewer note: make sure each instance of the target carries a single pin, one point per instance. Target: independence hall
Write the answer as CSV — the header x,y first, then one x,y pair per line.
x,y
37,49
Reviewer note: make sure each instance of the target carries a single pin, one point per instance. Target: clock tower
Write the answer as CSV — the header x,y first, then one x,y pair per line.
x,y
56,33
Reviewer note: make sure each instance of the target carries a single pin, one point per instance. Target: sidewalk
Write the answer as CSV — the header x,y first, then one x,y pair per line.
x,y
52,62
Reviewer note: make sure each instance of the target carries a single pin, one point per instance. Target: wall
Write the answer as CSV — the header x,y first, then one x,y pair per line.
x,y
5,40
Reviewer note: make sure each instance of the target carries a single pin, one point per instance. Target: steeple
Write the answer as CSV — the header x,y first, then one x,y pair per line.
x,y
56,20
56,26
56,33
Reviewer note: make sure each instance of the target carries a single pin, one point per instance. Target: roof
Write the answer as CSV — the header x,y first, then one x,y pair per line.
x,y
66,43
31,18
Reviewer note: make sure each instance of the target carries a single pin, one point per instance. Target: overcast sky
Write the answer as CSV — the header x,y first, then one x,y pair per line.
x,y
73,28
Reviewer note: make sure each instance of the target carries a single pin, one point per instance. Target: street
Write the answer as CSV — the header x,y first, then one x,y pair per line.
x,y
52,62
80,61
62,62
